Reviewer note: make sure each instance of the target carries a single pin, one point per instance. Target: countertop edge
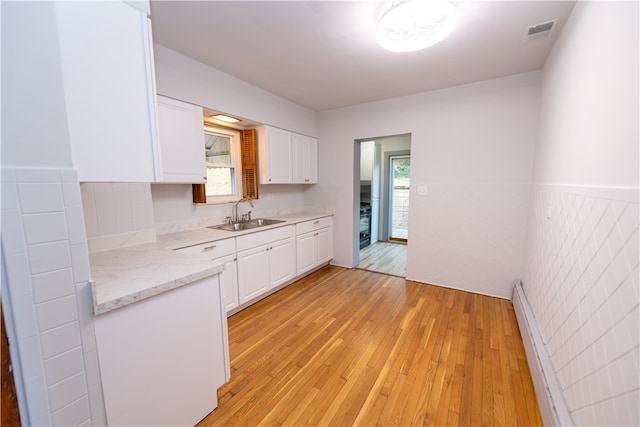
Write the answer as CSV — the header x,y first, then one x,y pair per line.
x,y
139,295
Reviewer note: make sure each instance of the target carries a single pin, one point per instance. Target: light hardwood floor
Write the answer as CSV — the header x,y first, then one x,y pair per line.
x,y
350,347
384,257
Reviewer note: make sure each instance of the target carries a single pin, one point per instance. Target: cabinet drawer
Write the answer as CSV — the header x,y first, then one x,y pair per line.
x,y
263,237
316,224
211,250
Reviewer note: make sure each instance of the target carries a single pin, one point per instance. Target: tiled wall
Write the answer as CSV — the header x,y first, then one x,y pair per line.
x,y
47,270
581,280
174,209
117,214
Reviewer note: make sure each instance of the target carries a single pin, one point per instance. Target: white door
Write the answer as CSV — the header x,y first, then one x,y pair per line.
x,y
282,262
181,136
305,251
253,272
279,154
324,245
229,278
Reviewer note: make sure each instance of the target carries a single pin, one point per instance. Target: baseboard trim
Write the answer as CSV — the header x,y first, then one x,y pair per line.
x,y
553,408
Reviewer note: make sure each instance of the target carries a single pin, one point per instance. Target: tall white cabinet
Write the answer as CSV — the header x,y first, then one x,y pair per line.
x,y
106,55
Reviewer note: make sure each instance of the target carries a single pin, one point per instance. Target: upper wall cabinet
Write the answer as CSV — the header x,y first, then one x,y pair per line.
x,y
305,159
286,157
181,136
107,67
274,155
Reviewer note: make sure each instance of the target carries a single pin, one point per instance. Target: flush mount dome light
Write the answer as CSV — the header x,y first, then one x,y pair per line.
x,y
415,24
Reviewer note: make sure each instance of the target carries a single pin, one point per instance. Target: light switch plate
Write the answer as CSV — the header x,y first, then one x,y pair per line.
x,y
422,190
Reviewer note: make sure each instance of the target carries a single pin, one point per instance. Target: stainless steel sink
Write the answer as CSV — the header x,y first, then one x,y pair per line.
x,y
254,223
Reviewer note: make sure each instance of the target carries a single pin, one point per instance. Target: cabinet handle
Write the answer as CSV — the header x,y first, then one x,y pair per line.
x,y
208,248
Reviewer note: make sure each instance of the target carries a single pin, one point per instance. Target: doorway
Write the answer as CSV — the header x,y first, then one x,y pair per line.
x,y
379,245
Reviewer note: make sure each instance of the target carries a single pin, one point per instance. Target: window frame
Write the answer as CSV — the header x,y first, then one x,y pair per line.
x,y
236,163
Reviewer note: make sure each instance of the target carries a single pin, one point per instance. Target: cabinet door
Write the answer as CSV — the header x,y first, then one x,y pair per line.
x,y
277,149
282,262
253,272
107,67
313,161
305,159
229,278
305,252
181,137
300,158
324,245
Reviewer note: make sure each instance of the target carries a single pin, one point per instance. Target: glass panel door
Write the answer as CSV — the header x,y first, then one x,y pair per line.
x,y
400,167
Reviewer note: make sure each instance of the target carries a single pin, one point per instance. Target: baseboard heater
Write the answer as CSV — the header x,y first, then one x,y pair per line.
x,y
553,408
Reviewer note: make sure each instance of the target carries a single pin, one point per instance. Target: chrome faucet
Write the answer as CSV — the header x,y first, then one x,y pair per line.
x,y
234,210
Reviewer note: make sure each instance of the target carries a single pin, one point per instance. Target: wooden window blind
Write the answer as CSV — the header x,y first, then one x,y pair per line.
x,y
249,164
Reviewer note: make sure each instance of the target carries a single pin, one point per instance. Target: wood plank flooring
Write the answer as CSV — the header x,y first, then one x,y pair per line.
x,y
350,347
385,257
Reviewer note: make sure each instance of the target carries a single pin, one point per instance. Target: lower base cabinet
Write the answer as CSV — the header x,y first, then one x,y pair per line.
x,y
314,244
265,260
162,358
253,273
222,252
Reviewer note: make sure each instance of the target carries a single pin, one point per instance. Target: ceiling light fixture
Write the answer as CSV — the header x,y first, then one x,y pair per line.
x,y
415,24
225,118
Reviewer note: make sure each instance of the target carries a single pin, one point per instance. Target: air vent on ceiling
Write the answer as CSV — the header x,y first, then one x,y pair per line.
x,y
541,31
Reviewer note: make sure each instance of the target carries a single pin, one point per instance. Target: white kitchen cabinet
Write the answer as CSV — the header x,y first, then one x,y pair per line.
x,y
274,155
266,259
305,159
221,252
286,157
162,358
282,266
229,278
314,244
107,67
181,138
253,272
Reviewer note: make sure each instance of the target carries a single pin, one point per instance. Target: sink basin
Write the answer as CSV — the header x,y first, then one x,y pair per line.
x,y
259,222
254,223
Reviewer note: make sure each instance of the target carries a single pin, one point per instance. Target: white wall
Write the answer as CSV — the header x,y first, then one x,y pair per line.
x,y
174,209
180,77
472,146
582,256
45,292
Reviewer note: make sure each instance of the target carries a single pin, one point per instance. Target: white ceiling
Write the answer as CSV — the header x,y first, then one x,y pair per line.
x,y
323,54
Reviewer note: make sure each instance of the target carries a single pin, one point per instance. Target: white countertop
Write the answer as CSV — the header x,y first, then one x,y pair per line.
x,y
124,276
